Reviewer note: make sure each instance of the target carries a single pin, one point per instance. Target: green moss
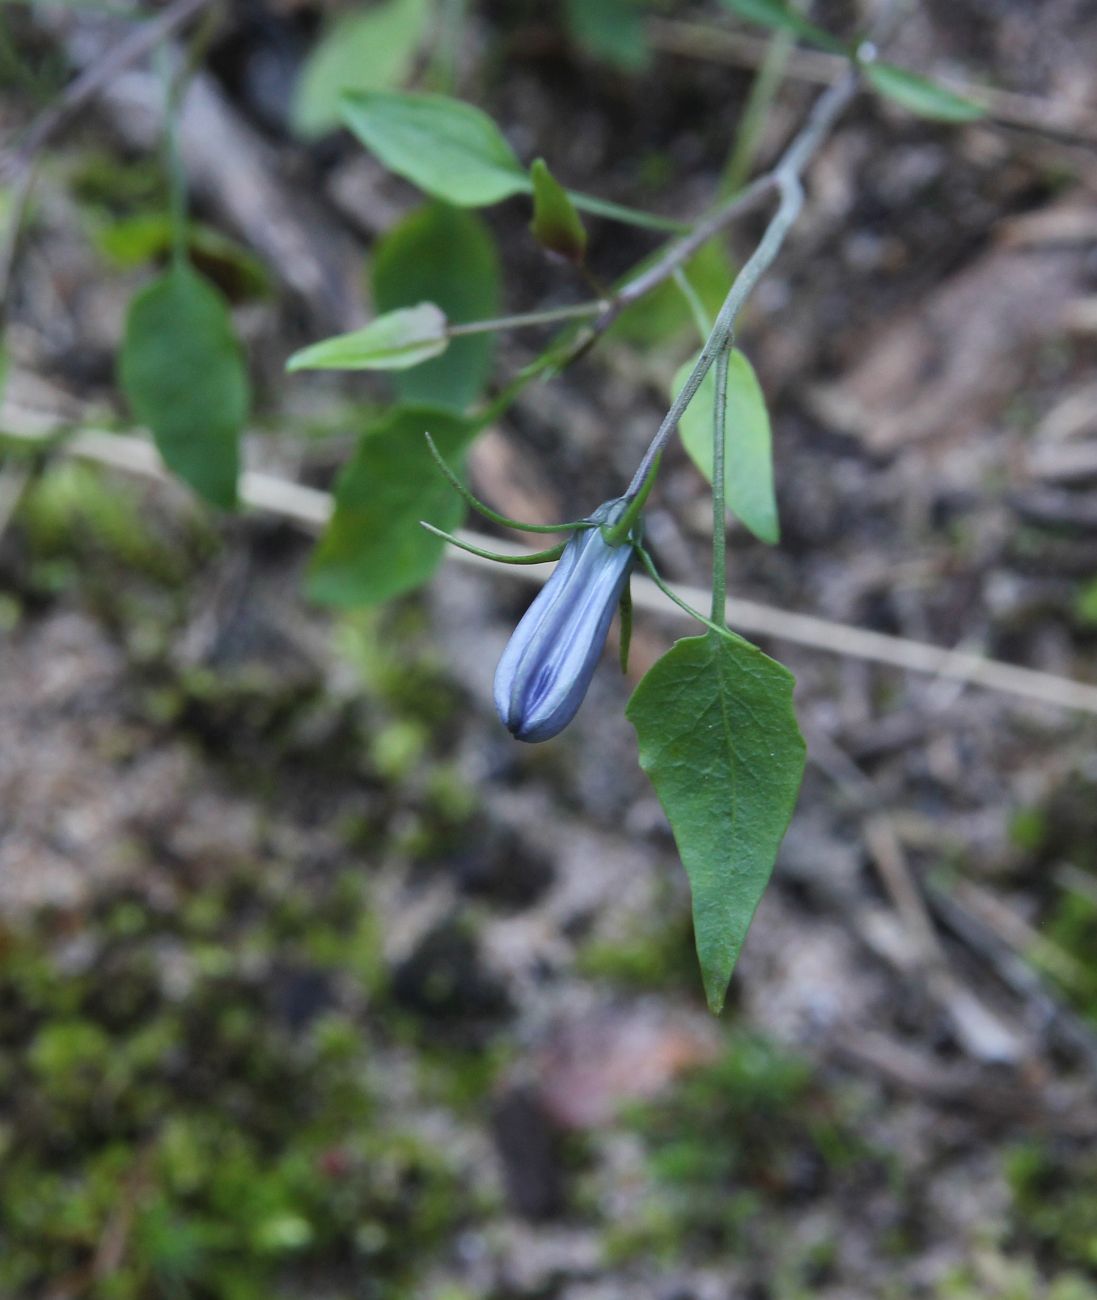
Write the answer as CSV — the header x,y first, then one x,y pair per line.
x,y
1085,605
1070,928
1055,1201
216,1124
655,954
72,509
1028,829
387,648
734,1143
996,1277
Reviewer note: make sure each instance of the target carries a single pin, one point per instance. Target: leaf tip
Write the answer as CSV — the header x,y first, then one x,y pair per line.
x,y
716,994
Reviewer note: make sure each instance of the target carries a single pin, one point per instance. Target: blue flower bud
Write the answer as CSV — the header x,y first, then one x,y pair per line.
x,y
548,663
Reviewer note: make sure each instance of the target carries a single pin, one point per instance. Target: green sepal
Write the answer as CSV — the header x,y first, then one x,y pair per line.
x,y
534,557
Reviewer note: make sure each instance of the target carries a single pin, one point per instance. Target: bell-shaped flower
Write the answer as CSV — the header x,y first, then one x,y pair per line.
x,y
548,664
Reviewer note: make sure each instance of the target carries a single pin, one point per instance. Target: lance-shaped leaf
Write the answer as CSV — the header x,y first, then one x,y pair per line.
x,y
456,152
779,16
748,443
556,224
183,372
719,740
448,148
918,95
374,548
548,664
395,341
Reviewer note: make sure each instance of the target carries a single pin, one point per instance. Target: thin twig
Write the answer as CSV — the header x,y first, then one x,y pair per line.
x,y
719,516
312,509
20,167
523,320
84,87
817,67
786,177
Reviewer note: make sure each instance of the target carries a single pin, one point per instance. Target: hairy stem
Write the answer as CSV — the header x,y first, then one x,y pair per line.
x,y
719,515
786,176
523,319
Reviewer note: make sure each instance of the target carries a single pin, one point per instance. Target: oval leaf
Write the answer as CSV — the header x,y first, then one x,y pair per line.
x,y
556,225
718,739
183,373
395,341
748,444
779,17
446,254
918,95
448,148
359,51
374,547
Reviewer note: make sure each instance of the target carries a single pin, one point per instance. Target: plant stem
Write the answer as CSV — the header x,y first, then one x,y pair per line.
x,y
173,165
524,319
531,557
786,177
672,595
719,515
629,216
20,169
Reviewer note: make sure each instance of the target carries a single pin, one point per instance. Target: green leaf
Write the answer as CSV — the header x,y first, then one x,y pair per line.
x,y
779,17
556,225
748,446
663,314
456,152
611,30
918,95
361,50
445,254
448,148
719,741
182,370
374,547
394,341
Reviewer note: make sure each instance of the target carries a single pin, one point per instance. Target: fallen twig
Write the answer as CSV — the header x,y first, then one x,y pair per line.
x,y
311,508
19,168
817,67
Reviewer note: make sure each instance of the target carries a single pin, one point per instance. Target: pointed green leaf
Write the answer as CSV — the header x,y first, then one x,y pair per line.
x,y
780,17
374,547
395,341
921,96
183,373
448,148
611,30
361,50
718,739
748,443
556,225
455,152
445,254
